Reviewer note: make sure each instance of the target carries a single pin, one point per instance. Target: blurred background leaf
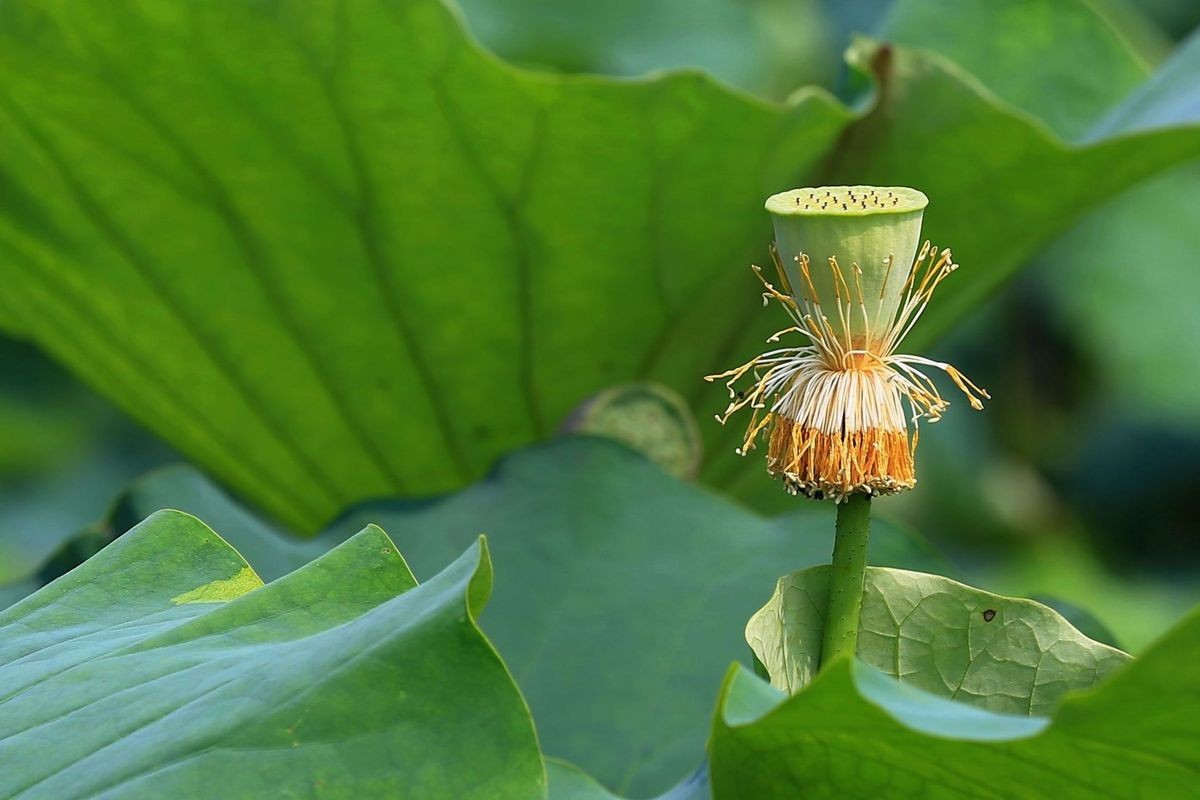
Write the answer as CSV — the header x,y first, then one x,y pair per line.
x,y
768,47
1029,53
64,454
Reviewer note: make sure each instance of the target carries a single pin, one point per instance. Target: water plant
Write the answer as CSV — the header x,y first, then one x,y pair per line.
x,y
363,276
841,412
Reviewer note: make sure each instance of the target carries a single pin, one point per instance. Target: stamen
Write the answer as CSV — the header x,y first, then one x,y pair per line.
x,y
783,278
887,272
836,413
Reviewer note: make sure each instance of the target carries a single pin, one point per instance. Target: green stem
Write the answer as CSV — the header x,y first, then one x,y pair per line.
x,y
846,577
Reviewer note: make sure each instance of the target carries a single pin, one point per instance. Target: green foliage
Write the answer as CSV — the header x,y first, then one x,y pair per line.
x,y
335,252
1149,239
764,46
170,625
1127,261
933,125
1003,654
365,258
622,591
1035,150
855,733
568,782
382,299
1168,98
1017,47
164,668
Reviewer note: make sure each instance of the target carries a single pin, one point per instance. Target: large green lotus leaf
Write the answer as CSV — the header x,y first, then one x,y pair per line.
x,y
1003,654
164,668
855,733
1031,53
270,551
621,596
364,258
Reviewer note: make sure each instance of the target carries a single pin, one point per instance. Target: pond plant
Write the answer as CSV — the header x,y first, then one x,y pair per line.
x,y
428,331
143,669
837,411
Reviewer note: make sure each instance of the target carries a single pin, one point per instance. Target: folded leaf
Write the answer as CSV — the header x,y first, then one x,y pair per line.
x,y
1001,653
854,733
164,668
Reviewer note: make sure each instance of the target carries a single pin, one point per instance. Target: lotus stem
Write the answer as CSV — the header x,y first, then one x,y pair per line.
x,y
846,577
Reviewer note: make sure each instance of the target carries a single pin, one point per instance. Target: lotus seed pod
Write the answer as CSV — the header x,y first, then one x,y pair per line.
x,y
840,411
870,232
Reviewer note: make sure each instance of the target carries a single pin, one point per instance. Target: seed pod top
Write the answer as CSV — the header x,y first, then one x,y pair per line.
x,y
870,232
